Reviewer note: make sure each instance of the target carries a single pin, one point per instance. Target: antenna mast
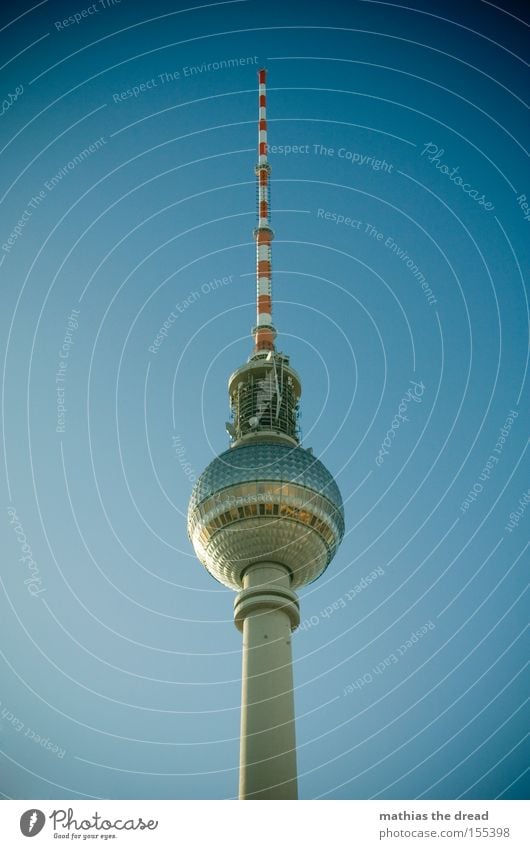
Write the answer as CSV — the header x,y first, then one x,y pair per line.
x,y
264,332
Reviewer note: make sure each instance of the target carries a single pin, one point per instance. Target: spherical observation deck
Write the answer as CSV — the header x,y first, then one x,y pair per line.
x,y
265,501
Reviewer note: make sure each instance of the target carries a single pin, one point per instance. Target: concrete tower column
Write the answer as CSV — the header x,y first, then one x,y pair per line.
x,y
267,611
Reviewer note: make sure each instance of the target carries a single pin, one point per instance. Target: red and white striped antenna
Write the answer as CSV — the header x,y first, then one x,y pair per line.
x,y
264,332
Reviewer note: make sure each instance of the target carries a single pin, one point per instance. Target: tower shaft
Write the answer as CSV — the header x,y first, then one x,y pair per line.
x,y
266,610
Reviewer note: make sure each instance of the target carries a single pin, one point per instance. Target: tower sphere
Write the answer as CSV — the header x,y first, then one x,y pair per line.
x,y
265,500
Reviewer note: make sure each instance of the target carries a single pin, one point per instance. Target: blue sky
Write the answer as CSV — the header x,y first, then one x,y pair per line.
x,y
399,184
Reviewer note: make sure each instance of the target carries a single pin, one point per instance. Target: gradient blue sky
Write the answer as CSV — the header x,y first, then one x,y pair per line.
x,y
124,662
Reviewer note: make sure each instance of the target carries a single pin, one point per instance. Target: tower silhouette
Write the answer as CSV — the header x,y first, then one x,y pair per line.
x,y
266,517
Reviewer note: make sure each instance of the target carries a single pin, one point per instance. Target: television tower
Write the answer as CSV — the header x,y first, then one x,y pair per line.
x,y
264,518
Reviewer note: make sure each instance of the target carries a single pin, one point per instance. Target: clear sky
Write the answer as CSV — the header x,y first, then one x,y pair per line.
x,y
400,206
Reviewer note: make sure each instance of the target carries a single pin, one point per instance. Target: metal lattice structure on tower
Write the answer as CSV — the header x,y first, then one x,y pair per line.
x,y
266,517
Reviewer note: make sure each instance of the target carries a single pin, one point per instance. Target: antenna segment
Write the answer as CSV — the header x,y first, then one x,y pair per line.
x,y
264,333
